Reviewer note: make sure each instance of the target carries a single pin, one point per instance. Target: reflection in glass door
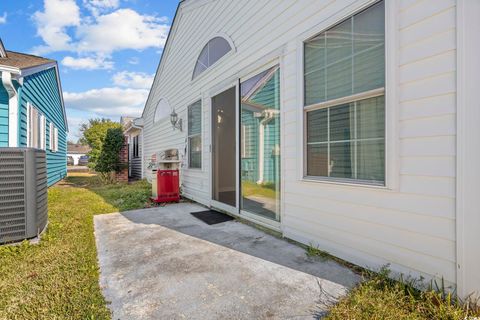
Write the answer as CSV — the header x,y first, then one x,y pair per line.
x,y
224,147
260,144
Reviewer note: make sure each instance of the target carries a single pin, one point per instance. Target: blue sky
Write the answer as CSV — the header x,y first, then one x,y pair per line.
x,y
107,50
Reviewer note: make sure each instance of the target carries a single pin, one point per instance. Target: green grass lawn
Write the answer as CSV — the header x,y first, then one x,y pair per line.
x,y
58,278
253,189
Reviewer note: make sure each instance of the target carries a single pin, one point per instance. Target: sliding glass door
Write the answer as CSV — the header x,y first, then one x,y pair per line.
x,y
260,144
224,153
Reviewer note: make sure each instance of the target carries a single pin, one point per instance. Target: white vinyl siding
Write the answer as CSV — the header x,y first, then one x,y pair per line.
x,y
410,225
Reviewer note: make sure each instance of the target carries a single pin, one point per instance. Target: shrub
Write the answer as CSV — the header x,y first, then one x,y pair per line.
x,y
108,161
93,135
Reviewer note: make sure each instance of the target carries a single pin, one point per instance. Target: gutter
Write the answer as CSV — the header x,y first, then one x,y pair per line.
x,y
19,74
12,109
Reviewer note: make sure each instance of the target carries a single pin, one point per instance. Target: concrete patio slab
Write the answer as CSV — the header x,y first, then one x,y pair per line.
x,y
162,263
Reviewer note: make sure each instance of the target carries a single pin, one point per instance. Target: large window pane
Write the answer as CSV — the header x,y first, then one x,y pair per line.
x,y
194,118
194,135
339,79
341,122
346,59
371,160
315,90
342,160
317,123
317,160
315,53
195,152
260,144
369,49
339,61
371,118
347,141
369,70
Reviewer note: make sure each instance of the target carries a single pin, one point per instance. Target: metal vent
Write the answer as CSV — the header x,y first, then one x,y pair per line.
x,y
23,193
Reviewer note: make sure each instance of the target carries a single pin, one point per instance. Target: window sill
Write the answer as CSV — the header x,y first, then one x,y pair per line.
x,y
345,183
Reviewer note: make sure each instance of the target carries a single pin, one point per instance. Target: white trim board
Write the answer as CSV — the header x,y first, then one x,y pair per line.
x,y
468,151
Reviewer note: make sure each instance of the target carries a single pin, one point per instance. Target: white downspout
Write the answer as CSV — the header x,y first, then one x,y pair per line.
x,y
142,157
268,116
12,109
261,152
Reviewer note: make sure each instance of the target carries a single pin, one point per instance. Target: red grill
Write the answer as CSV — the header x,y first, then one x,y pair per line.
x,y
167,186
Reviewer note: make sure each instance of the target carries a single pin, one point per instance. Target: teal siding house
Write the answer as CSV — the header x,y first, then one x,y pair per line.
x,y
32,112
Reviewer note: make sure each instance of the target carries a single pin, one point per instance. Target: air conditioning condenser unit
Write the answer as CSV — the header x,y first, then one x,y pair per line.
x,y
23,193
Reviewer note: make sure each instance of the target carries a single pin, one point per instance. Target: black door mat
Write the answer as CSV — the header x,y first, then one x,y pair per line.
x,y
211,216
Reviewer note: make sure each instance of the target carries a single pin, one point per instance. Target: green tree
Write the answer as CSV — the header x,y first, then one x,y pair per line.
x,y
108,161
93,134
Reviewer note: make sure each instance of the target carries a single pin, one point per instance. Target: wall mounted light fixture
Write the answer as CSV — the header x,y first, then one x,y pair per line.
x,y
175,121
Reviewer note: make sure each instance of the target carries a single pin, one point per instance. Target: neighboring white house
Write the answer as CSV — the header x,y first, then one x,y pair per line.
x,y
132,129
76,151
351,125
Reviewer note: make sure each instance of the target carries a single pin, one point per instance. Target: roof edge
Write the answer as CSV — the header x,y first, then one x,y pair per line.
x,y
165,48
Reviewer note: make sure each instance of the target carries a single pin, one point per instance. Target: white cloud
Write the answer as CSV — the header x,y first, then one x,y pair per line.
x,y
96,36
110,102
134,60
122,29
53,22
98,6
137,80
3,18
87,63
74,124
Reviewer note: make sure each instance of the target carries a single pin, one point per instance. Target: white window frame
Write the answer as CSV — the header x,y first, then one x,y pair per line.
x,y
136,145
50,137
390,92
40,136
55,139
194,135
43,132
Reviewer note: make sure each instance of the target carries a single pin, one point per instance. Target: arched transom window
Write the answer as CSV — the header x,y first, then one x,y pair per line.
x,y
162,110
211,53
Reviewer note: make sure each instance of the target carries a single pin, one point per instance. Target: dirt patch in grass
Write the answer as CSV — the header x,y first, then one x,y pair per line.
x,y
58,278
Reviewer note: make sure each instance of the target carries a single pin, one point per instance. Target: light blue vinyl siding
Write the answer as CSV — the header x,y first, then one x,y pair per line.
x,y
41,90
267,97
3,117
250,158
